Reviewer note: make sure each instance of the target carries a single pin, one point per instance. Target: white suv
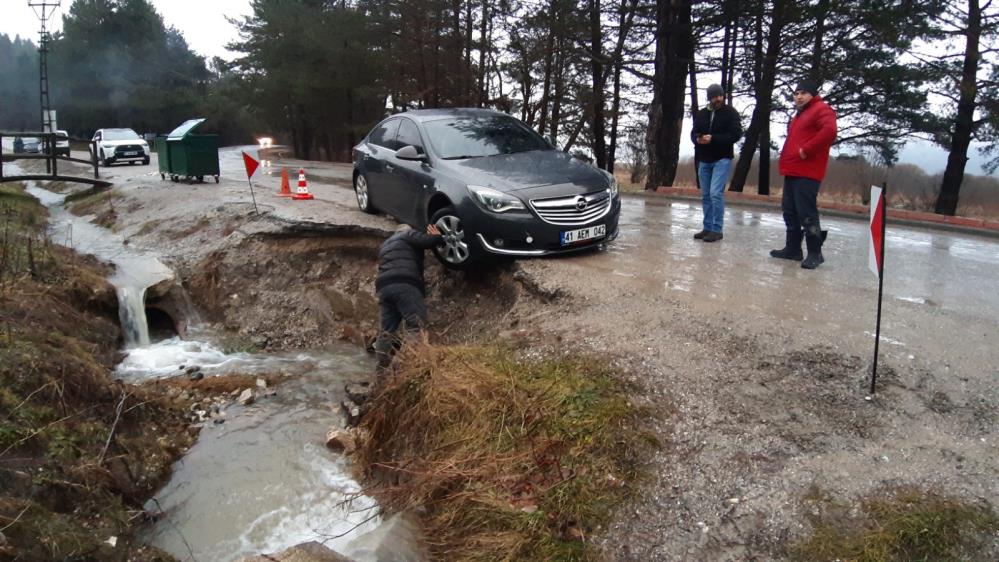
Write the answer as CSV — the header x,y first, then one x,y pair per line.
x,y
120,145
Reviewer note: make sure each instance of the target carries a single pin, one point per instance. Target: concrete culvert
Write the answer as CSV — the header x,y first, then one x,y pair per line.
x,y
161,325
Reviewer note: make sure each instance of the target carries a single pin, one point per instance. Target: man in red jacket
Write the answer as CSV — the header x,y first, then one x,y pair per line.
x,y
803,163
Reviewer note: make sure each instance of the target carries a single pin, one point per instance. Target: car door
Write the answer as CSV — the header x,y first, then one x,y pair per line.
x,y
413,179
377,166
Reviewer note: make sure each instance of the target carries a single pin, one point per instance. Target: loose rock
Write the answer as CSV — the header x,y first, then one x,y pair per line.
x,y
341,441
352,411
246,397
358,392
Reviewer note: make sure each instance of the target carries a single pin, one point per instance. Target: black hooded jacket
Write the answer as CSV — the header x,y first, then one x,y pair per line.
x,y
725,127
400,259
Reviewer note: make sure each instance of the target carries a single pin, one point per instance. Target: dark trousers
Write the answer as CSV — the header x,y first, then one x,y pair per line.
x,y
398,303
801,211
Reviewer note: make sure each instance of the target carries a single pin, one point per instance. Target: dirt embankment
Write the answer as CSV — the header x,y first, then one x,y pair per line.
x,y
279,290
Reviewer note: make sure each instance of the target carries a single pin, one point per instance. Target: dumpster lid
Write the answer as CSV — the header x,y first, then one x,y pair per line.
x,y
185,128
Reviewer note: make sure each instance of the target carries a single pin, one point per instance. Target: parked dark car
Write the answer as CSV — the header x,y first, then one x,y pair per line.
x,y
31,145
488,181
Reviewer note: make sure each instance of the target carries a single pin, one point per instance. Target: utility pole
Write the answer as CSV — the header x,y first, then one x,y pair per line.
x,y
44,10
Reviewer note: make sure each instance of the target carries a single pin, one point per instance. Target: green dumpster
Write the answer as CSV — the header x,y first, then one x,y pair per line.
x,y
163,156
190,156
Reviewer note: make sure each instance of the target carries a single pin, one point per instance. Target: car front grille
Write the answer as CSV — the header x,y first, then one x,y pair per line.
x,y
129,148
573,210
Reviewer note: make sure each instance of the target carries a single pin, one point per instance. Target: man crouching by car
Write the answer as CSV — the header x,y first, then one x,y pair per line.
x,y
400,288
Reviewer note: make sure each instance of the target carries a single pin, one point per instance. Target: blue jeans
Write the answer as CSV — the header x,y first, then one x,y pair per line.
x,y
713,177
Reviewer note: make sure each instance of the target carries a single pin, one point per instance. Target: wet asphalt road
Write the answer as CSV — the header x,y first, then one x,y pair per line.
x,y
941,290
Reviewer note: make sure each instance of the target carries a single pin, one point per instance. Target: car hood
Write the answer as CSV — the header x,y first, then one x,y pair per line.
x,y
532,170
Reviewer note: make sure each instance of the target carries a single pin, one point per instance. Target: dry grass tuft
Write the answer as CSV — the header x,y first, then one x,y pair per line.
x,y
906,525
505,458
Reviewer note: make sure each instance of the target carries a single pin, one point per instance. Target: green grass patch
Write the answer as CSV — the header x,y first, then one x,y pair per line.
x,y
24,246
907,525
507,458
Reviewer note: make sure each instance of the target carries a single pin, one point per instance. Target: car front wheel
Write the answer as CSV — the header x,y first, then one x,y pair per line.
x,y
456,252
361,192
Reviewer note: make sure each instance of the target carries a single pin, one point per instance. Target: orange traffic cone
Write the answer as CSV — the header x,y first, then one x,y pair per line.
x,y
285,186
303,188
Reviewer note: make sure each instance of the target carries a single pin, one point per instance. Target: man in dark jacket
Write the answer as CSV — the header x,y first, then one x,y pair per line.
x,y
400,287
716,129
803,163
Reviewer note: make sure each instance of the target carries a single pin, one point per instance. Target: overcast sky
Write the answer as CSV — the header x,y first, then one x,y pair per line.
x,y
202,22
204,25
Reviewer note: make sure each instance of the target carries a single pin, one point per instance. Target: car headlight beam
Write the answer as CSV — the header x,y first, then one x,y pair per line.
x,y
495,201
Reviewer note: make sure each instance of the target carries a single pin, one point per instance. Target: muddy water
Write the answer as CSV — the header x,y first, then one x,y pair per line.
x,y
135,270
261,481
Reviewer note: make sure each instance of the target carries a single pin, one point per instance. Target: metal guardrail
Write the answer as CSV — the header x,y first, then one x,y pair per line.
x,y
47,152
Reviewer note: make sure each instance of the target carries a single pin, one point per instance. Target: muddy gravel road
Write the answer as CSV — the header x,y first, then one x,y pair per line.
x,y
755,369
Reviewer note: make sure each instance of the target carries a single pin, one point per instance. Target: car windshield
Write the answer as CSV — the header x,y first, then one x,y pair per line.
x,y
475,137
120,134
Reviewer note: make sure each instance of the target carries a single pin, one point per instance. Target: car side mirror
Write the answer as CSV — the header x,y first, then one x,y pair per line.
x,y
410,153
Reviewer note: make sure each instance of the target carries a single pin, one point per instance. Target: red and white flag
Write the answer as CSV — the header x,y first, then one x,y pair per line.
x,y
252,162
876,258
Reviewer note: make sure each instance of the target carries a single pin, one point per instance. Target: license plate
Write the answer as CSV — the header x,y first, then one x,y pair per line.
x,y
583,234
130,153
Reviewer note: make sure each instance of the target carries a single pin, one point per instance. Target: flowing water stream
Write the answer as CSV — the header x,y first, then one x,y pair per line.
x,y
261,481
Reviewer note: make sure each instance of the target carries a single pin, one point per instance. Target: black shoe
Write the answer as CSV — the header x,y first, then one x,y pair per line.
x,y
700,235
712,236
792,248
812,261
814,257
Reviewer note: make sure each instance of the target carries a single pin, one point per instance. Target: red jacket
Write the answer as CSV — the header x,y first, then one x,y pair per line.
x,y
813,130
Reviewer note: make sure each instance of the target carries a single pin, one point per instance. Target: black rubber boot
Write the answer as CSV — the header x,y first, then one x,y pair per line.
x,y
814,257
792,247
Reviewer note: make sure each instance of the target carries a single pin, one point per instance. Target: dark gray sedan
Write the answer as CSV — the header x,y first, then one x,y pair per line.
x,y
488,181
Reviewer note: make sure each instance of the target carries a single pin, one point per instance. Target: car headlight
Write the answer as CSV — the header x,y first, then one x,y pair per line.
x,y
613,187
106,146
495,201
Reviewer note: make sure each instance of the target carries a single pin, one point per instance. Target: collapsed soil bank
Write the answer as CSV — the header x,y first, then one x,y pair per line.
x,y
286,290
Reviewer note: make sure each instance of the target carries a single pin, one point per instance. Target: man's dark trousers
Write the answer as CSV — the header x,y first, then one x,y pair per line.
x,y
799,203
398,303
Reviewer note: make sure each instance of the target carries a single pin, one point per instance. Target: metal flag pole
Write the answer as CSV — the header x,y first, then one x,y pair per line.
x,y
254,197
881,283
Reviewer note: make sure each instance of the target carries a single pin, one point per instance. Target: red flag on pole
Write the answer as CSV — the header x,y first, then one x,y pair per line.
x,y
876,258
251,164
